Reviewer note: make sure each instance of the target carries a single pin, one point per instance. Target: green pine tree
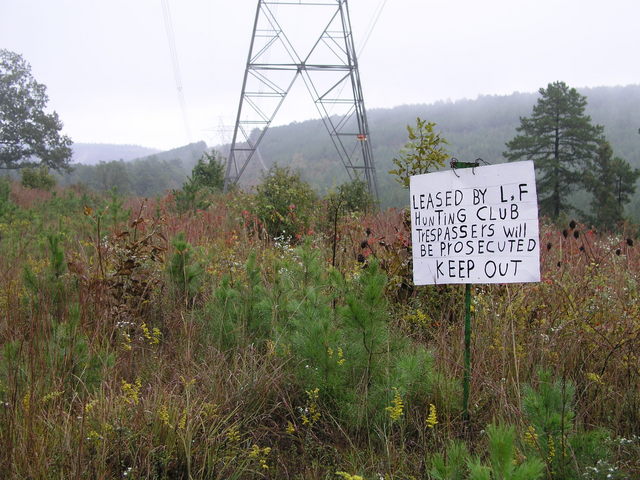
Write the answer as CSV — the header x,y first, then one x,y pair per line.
x,y
562,142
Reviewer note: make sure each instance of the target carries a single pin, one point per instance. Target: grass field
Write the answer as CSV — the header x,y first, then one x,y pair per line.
x,y
136,342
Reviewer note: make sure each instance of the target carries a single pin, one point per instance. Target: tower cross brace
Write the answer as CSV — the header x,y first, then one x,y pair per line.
x,y
329,70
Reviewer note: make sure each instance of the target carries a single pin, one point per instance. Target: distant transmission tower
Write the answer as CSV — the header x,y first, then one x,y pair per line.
x,y
285,46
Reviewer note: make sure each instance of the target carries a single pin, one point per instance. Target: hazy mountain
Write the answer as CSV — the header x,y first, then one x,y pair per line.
x,y
93,153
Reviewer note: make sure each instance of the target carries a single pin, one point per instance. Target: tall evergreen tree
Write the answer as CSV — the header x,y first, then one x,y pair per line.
x,y
562,142
611,181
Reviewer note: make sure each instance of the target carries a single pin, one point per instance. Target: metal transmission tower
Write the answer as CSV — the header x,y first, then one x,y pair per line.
x,y
328,66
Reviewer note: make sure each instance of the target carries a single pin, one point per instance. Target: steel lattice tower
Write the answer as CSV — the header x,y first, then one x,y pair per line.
x,y
329,69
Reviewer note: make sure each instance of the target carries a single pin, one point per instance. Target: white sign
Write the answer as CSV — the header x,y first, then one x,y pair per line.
x,y
475,225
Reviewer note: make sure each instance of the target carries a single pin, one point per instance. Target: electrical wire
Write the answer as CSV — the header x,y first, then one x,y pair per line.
x,y
372,24
173,53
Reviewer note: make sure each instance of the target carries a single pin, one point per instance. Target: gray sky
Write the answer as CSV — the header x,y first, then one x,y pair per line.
x,y
109,74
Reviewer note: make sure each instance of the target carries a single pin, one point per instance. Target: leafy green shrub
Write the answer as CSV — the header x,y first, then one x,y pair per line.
x,y
207,177
284,203
208,173
37,178
350,197
424,152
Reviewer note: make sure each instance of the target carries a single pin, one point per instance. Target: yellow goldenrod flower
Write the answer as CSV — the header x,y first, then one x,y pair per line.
x,y
187,383
531,437
90,406
595,378
341,358
182,423
152,336
311,412
233,434
94,436
52,396
348,476
271,348
291,429
126,344
210,409
261,454
155,336
131,391
432,418
163,415
107,428
396,409
145,331
552,448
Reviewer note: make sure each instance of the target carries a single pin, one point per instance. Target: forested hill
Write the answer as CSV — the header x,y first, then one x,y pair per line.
x,y
474,128
147,176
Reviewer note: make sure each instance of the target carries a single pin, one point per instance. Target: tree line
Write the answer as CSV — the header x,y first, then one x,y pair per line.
x,y
578,171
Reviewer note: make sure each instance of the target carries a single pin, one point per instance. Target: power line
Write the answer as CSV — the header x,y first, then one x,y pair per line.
x,y
173,53
372,24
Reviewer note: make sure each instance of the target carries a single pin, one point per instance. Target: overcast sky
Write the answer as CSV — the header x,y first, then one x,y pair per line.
x,y
108,69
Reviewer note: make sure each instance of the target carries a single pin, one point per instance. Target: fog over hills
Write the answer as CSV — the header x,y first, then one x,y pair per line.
x,y
93,153
473,128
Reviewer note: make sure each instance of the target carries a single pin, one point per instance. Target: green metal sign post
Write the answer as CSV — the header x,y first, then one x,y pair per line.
x,y
467,353
466,380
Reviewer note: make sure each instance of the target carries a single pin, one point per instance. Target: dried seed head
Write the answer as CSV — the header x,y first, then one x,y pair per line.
x,y
576,234
565,234
582,248
368,230
549,246
361,258
572,224
364,244
618,251
559,264
629,242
